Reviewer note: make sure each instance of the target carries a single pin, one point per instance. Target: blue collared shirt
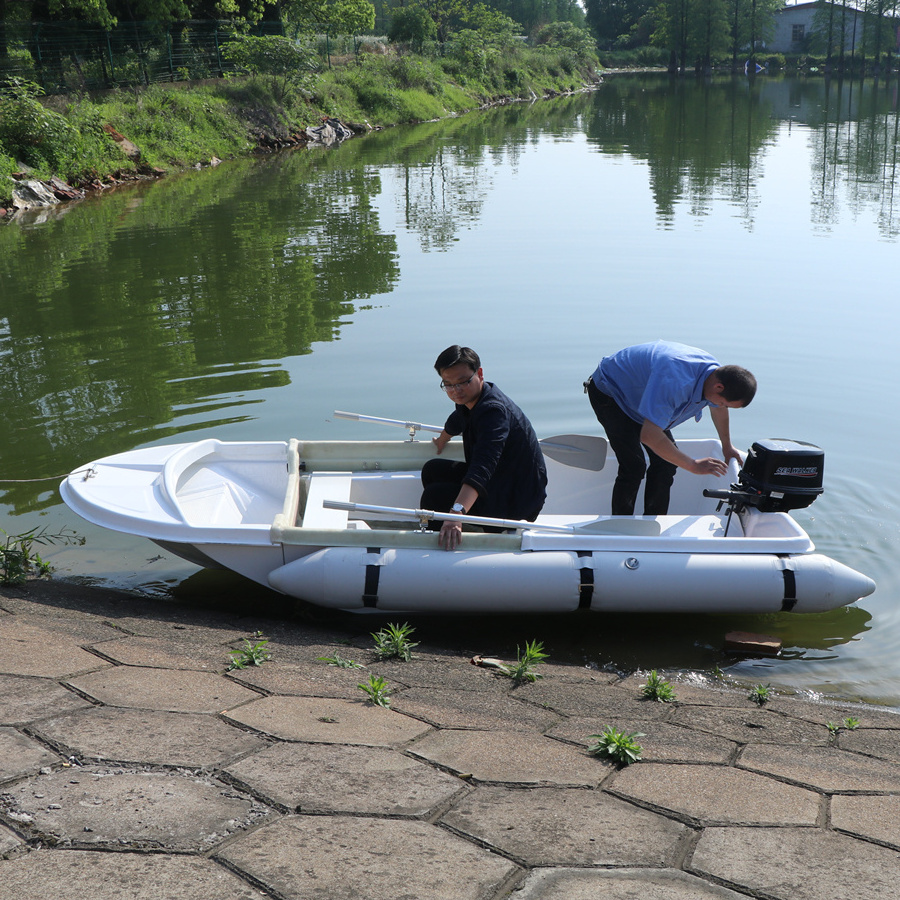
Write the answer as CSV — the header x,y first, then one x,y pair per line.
x,y
661,381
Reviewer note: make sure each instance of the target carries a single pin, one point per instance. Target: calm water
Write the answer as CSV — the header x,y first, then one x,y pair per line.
x,y
758,221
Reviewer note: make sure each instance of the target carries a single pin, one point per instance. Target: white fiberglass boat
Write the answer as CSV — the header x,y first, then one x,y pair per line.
x,y
335,523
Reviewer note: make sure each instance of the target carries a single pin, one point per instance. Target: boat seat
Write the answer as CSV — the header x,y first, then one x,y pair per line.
x,y
326,486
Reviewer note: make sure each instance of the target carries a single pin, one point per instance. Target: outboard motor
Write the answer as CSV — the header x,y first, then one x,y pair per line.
x,y
778,475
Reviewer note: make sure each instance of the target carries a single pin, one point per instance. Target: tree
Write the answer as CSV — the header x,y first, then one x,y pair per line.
x,y
285,62
339,16
615,21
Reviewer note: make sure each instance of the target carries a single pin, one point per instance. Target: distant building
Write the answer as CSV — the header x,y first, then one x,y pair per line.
x,y
794,25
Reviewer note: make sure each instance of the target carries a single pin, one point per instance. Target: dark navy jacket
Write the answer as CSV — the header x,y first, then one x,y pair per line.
x,y
505,462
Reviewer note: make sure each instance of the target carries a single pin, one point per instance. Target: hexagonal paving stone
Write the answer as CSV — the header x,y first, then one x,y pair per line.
x,y
594,700
20,756
750,726
8,841
80,874
175,691
24,699
118,807
304,679
472,709
798,863
716,794
166,653
324,778
881,742
619,884
148,736
565,827
328,720
659,741
28,650
512,757
826,768
876,818
367,859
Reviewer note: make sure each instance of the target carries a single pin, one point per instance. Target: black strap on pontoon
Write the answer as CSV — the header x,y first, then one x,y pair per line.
x,y
790,590
586,588
373,573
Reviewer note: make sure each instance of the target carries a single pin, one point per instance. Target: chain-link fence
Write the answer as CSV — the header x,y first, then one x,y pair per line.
x,y
76,56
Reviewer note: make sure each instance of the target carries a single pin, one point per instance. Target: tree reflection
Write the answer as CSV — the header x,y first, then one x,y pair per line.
x,y
174,303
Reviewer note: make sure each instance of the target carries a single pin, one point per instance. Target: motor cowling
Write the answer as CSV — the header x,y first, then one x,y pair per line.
x,y
778,475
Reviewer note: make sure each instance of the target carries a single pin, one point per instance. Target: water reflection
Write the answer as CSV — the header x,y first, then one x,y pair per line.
x,y
136,310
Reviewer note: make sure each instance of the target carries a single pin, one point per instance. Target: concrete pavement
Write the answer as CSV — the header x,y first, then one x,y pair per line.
x,y
133,765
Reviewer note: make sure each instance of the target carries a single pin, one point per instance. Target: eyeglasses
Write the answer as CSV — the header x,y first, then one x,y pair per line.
x,y
458,386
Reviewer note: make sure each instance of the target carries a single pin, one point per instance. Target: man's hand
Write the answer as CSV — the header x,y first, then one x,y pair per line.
x,y
732,452
451,535
708,466
440,442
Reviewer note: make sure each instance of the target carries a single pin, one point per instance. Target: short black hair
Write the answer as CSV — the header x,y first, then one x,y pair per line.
x,y
737,383
456,355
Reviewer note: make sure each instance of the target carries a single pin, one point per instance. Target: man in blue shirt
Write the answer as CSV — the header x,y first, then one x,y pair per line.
x,y
504,475
640,393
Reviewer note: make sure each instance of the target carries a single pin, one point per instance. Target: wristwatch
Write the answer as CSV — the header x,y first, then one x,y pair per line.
x,y
457,508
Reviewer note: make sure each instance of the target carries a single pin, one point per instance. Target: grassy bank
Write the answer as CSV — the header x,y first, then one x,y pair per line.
x,y
183,124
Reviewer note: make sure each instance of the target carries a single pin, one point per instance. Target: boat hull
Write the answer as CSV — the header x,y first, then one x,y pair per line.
x,y
434,581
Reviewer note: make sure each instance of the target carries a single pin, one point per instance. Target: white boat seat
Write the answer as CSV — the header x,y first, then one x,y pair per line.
x,y
327,486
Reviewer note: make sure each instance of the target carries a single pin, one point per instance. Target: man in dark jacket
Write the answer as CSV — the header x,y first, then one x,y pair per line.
x,y
504,475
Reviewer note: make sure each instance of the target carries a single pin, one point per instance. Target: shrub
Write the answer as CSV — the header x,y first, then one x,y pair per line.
x,y
288,64
31,133
7,167
566,34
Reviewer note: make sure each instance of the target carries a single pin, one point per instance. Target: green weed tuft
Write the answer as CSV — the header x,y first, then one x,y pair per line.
x,y
621,748
523,670
337,660
657,688
18,560
760,694
377,689
392,642
251,654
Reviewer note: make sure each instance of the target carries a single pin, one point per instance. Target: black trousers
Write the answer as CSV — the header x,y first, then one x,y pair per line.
x,y
441,481
624,435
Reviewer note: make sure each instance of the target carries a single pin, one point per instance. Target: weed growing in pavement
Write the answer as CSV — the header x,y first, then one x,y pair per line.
x,y
620,747
393,642
377,689
523,670
18,559
849,724
337,660
760,694
251,654
657,688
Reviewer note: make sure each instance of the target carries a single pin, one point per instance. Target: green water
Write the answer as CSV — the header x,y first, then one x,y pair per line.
x,y
755,219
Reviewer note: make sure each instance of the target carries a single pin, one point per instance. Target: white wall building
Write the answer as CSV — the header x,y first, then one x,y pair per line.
x,y
795,24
